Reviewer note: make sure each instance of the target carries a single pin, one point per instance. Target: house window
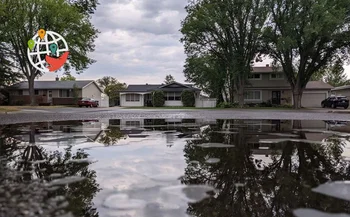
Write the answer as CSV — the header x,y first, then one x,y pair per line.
x,y
20,92
36,92
254,77
276,76
173,96
252,95
132,97
132,123
66,93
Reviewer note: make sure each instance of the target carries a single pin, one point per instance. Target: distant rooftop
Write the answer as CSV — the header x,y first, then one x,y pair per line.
x,y
318,85
152,87
52,84
342,87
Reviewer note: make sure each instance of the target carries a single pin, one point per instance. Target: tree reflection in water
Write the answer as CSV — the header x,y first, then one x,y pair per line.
x,y
111,136
35,167
284,184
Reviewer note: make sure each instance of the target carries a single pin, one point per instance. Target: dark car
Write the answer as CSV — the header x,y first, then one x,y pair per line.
x,y
88,102
335,101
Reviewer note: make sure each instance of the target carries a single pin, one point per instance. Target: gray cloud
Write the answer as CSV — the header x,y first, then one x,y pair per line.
x,y
139,41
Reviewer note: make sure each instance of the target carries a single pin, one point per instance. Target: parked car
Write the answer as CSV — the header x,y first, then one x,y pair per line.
x,y
88,102
335,101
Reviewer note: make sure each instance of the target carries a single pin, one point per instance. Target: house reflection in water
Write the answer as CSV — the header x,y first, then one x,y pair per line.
x,y
122,131
253,132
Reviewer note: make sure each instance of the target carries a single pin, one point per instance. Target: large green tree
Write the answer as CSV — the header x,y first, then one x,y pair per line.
x,y
112,91
208,74
228,29
106,81
335,75
303,36
69,18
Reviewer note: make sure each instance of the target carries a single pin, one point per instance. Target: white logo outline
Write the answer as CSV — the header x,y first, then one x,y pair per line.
x,y
38,42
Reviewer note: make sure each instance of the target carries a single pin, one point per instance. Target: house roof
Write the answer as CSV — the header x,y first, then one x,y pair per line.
x,y
152,87
53,84
342,87
318,85
266,69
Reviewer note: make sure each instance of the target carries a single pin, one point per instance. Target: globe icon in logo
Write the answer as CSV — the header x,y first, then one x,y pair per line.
x,y
47,51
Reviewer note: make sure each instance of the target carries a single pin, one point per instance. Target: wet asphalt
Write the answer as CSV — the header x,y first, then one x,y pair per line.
x,y
60,114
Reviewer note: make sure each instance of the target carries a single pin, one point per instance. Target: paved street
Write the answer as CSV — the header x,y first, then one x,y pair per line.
x,y
56,114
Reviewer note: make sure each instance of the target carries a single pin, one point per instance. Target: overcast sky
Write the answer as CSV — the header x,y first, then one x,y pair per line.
x,y
139,41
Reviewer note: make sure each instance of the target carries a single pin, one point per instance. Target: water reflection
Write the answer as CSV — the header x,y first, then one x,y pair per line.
x,y
52,190
275,188
174,167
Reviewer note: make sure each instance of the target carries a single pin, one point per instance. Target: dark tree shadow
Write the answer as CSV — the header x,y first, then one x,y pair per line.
x,y
34,165
247,188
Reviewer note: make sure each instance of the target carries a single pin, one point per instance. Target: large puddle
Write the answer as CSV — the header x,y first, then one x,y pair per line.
x,y
175,168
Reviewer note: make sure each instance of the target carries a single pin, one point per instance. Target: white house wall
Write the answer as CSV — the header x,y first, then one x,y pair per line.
x,y
92,91
205,103
172,103
125,103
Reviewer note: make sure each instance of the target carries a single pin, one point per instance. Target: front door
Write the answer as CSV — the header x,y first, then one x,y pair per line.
x,y
276,97
49,96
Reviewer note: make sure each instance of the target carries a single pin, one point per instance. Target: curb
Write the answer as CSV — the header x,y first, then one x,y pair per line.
x,y
340,112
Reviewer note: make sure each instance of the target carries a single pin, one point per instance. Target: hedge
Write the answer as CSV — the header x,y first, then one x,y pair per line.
x,y
188,99
158,98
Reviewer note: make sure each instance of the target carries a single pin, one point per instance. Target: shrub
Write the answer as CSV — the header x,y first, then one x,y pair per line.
x,y
227,105
158,98
188,99
19,102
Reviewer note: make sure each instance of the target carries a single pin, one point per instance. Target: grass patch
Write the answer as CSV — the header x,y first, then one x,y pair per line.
x,y
4,109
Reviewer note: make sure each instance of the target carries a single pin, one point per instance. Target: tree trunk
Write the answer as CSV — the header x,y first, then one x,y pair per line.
x,y
297,94
232,93
31,91
241,94
224,93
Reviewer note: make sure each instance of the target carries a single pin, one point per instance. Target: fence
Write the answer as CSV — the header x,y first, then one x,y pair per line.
x,y
206,102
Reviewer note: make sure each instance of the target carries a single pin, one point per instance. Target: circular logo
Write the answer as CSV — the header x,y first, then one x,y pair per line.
x,y
47,51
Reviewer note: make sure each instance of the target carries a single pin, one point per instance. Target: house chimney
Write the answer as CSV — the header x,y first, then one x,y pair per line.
x,y
57,78
267,65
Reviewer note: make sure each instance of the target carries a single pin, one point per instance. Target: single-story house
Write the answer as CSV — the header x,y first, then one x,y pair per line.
x,y
267,83
55,92
140,95
341,91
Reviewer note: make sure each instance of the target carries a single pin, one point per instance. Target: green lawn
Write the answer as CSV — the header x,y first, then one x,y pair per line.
x,y
4,109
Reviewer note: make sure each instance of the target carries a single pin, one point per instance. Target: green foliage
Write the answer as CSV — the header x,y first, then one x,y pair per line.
x,y
71,19
207,72
335,74
68,77
158,98
111,136
227,105
318,76
217,29
106,81
113,90
188,98
169,79
303,36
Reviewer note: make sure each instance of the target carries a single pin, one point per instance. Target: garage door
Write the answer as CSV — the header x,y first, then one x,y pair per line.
x,y
312,100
